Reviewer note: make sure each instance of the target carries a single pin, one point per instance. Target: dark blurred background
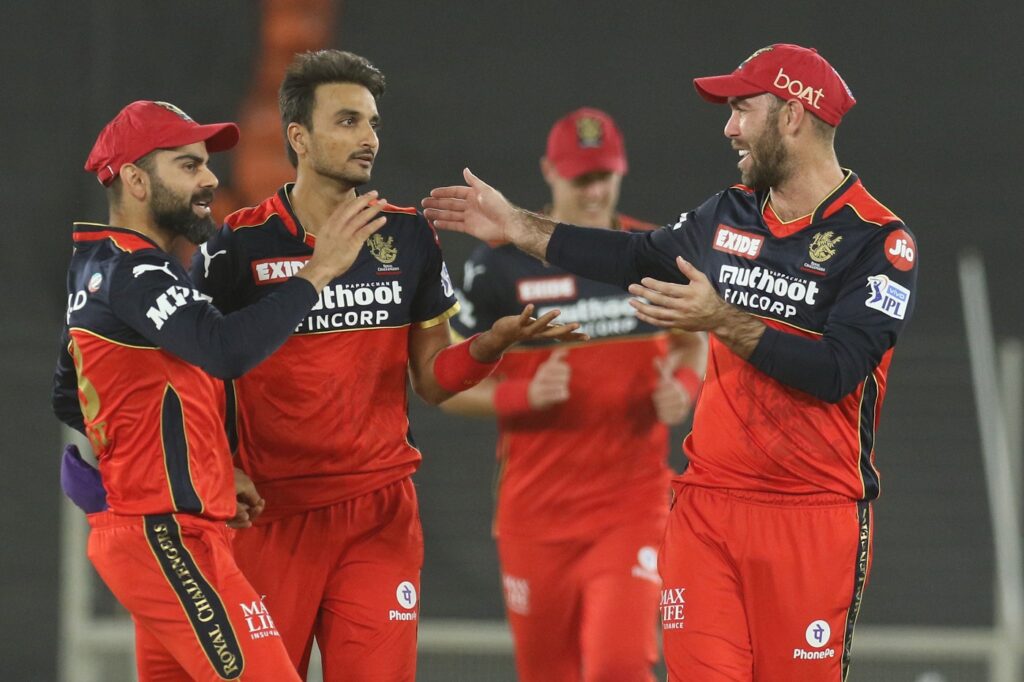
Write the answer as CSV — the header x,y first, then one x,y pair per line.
x,y
935,136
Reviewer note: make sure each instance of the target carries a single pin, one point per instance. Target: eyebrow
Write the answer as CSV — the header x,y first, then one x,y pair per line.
x,y
352,112
189,157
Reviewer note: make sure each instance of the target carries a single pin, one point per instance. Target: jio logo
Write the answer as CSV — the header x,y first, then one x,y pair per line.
x,y
818,634
406,595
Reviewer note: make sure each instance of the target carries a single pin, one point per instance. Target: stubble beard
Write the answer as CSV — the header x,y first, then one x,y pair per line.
x,y
770,160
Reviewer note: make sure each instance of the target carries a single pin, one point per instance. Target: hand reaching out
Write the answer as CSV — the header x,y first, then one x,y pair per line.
x,y
512,329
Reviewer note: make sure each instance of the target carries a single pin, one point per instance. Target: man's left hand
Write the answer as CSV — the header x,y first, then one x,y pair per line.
x,y
512,329
250,504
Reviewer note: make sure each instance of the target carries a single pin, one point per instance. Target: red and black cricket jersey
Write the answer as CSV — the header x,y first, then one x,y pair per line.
x,y
134,371
600,457
325,417
835,290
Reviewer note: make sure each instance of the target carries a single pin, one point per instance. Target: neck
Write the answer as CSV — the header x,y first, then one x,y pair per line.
x,y
811,181
141,221
315,197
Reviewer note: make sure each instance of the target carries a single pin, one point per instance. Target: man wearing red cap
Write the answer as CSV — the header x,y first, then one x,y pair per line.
x,y
583,434
322,427
136,374
804,281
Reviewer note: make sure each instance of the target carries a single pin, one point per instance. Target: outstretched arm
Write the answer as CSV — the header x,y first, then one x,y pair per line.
x,y
479,210
439,370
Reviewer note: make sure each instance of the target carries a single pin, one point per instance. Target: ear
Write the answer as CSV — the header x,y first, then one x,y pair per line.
x,y
135,181
792,117
547,169
298,138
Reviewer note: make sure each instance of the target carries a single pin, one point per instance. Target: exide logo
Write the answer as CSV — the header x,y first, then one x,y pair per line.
x,y
272,270
798,89
737,242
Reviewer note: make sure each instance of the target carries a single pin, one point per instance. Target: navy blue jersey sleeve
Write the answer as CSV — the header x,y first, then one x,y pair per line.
x,y
215,270
481,297
875,302
65,388
156,297
435,293
624,258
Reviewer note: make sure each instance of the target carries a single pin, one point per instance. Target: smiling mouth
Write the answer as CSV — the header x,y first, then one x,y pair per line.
x,y
202,207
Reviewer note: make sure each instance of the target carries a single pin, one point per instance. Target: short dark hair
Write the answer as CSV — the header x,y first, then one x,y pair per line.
x,y
310,69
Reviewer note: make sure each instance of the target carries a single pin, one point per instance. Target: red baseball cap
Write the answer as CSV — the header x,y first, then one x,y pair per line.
x,y
586,141
144,126
789,71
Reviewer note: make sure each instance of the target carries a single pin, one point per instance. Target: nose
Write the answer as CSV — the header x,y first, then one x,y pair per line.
x,y
732,126
370,139
208,179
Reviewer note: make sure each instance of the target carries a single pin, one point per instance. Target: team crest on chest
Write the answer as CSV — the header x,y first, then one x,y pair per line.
x,y
823,246
381,249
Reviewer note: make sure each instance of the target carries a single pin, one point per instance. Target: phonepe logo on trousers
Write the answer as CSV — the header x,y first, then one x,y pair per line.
x,y
672,605
817,635
405,593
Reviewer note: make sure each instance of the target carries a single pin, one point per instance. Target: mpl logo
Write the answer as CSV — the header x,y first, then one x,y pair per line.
x,y
737,242
888,297
805,93
405,593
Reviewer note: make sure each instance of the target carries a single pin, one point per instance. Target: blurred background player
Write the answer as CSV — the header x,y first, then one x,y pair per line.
x,y
322,427
583,434
136,374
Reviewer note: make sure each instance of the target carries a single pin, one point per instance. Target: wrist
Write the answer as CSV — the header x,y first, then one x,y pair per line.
x,y
512,398
456,369
485,347
315,274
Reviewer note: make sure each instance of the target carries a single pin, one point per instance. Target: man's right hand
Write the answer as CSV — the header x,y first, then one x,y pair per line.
x,y
340,238
550,383
480,210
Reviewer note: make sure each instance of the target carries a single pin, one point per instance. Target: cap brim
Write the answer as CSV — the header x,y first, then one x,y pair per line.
x,y
219,137
718,89
572,168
